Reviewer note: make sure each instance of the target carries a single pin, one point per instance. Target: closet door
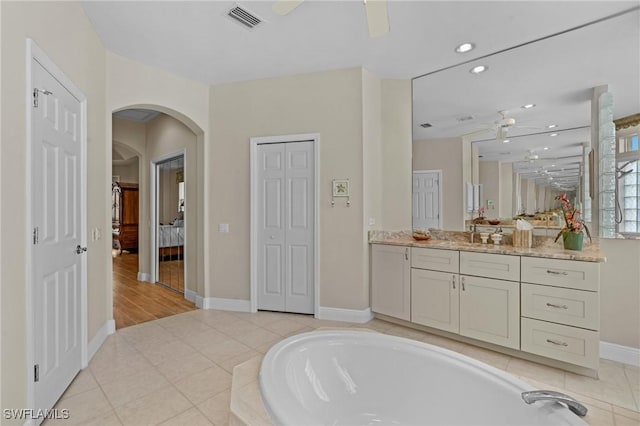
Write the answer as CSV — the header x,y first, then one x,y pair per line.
x,y
285,236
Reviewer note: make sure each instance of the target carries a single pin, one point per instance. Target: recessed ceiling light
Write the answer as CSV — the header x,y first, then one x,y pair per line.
x,y
553,134
546,148
465,47
552,126
527,106
478,69
506,141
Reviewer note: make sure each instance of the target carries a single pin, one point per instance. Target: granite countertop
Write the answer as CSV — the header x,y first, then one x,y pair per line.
x,y
455,240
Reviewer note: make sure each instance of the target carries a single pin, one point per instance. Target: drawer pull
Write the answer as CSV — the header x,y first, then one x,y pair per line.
x,y
551,305
462,282
557,343
549,271
406,254
454,282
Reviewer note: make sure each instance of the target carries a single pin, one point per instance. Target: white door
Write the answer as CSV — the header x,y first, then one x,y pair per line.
x,y
285,227
56,174
426,199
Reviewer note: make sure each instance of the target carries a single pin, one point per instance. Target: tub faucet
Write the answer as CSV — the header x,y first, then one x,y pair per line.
x,y
546,395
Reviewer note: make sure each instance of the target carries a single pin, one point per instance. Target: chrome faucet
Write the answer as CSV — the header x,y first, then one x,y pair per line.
x,y
546,395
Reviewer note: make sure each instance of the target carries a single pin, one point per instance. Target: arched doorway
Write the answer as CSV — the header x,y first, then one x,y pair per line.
x,y
156,132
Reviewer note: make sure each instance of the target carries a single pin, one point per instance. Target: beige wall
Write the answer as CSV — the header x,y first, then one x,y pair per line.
x,y
620,292
128,173
396,186
81,57
506,191
132,84
328,103
447,155
166,135
491,187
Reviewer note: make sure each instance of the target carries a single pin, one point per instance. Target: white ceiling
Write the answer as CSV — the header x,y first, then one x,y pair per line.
x,y
198,41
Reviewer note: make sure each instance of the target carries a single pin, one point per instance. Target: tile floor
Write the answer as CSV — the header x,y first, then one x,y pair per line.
x,y
177,370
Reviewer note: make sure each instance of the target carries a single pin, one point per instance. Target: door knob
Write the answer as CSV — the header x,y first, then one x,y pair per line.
x,y
80,250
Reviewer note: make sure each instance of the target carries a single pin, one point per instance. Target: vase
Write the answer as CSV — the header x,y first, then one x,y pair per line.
x,y
572,240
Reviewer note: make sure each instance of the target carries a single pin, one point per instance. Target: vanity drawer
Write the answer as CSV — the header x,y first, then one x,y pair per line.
x,y
435,259
561,342
565,306
561,273
490,265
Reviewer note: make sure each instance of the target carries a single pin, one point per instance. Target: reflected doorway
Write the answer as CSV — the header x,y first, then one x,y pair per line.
x,y
170,220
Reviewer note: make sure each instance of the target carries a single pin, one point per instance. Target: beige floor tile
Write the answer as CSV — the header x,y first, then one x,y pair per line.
x,y
621,420
157,353
204,339
83,382
614,393
627,413
146,332
224,349
247,372
108,418
536,371
85,406
188,327
122,366
598,417
495,359
176,369
238,328
408,333
612,372
284,327
378,325
264,318
443,342
153,408
230,363
257,338
129,388
217,408
203,385
249,394
633,376
191,417
217,318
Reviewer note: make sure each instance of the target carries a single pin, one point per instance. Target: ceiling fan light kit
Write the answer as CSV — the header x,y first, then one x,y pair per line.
x,y
465,47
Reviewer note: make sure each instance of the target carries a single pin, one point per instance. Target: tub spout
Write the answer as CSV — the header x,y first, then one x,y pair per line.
x,y
545,395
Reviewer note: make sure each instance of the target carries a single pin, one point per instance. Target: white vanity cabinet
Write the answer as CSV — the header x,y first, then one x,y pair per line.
x,y
435,288
561,310
490,298
391,281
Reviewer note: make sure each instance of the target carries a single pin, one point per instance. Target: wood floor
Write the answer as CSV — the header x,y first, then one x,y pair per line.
x,y
136,301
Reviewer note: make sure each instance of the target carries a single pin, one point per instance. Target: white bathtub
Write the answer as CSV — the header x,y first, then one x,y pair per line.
x,y
360,378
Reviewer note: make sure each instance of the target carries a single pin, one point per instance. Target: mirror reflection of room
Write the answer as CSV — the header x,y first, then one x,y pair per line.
x,y
171,223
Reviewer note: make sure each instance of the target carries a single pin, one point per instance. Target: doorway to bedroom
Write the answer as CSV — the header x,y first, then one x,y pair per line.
x,y
170,203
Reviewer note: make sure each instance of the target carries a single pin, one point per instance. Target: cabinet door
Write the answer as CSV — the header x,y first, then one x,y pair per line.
x,y
490,310
391,281
434,299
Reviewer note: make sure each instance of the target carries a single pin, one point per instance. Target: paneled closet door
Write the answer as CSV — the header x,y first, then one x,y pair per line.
x,y
285,237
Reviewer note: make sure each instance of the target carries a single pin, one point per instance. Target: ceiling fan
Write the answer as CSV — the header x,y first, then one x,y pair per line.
x,y
377,17
501,127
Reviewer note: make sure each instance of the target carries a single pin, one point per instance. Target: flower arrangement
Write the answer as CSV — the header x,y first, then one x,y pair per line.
x,y
572,219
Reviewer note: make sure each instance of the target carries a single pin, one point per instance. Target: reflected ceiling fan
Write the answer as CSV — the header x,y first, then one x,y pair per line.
x,y
501,127
377,17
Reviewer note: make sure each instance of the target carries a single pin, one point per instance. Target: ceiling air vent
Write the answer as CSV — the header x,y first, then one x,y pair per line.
x,y
426,125
245,17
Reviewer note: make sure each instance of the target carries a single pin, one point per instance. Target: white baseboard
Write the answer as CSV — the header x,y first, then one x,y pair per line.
x,y
190,295
619,353
348,315
109,327
236,305
143,276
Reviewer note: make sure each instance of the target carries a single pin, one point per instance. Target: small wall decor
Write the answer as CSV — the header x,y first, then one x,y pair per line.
x,y
340,188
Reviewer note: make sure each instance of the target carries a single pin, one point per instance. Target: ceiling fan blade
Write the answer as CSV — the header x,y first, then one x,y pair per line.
x,y
285,7
377,17
478,132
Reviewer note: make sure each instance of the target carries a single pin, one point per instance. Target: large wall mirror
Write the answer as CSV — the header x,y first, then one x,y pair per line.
x,y
518,132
